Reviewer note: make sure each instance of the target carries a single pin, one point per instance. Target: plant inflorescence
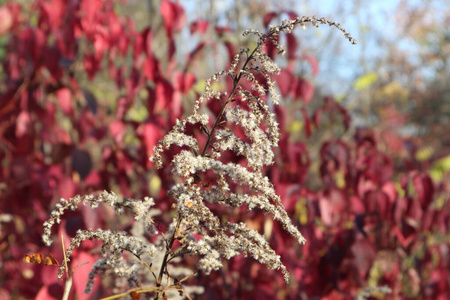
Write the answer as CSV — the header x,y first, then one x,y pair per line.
x,y
206,176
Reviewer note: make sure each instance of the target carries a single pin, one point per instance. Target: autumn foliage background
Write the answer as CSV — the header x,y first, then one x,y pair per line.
x,y
88,87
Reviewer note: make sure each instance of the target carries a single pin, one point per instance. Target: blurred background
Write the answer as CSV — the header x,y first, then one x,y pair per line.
x,y
88,87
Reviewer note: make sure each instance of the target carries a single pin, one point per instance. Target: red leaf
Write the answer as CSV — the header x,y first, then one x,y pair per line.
x,y
123,104
378,201
92,65
306,122
220,30
357,205
292,15
305,91
52,13
345,115
52,57
268,17
424,189
291,43
133,83
281,113
270,48
199,26
317,116
150,134
64,97
100,46
93,180
285,80
90,10
164,94
147,38
194,52
183,82
150,68
173,15
230,49
171,48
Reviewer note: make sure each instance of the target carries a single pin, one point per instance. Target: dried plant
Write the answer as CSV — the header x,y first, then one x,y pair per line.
x,y
196,228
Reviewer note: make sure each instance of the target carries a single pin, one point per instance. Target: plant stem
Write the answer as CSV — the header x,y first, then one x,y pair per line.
x,y
224,106
236,81
166,255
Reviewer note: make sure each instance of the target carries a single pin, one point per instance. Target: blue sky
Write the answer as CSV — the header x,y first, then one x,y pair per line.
x,y
337,70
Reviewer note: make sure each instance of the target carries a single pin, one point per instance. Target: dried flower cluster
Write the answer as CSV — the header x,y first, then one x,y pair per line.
x,y
196,227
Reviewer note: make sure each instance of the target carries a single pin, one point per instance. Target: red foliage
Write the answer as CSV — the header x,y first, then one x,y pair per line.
x,y
59,139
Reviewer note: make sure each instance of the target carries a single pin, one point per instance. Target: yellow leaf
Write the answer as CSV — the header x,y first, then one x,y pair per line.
x,y
439,168
154,185
365,81
424,153
339,179
199,87
295,126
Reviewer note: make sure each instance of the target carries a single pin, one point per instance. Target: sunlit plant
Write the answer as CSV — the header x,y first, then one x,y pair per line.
x,y
205,175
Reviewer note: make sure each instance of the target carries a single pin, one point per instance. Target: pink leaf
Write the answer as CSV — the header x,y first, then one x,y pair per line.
x,y
23,124
64,97
50,292
326,210
6,20
83,263
173,15
100,46
390,190
67,188
117,130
